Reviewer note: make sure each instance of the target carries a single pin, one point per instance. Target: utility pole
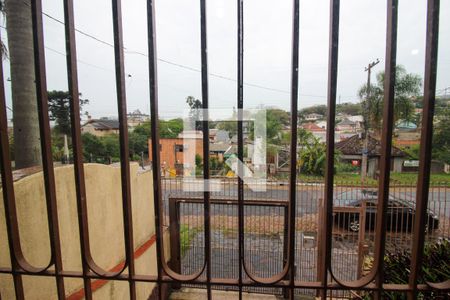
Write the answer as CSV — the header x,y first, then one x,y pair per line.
x,y
366,115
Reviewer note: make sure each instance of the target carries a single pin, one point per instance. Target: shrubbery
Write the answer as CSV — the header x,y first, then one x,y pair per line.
x,y
435,268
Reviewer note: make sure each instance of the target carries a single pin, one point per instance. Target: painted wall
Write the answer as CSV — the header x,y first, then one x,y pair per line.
x,y
105,216
169,157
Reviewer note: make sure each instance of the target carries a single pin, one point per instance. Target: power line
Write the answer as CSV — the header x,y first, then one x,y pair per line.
x,y
78,60
129,51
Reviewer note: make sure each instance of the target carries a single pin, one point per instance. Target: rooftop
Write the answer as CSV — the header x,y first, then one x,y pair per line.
x,y
354,145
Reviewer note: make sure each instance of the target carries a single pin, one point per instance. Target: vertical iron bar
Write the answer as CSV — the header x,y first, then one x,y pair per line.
x,y
286,292
8,191
153,83
45,135
240,138
205,128
327,225
293,162
174,228
80,186
123,137
386,140
431,57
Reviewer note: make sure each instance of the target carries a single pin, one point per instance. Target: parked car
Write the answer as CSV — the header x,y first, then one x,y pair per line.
x,y
400,212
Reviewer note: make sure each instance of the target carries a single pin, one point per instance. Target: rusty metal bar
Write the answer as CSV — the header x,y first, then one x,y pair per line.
x,y
174,229
429,97
45,137
162,267
386,141
287,292
153,75
223,281
80,187
232,201
327,225
240,138
123,137
8,192
205,129
293,149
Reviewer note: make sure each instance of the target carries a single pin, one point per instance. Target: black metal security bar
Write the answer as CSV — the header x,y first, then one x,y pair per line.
x,y
286,279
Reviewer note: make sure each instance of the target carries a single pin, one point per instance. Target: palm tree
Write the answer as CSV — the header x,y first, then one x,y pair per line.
x,y
407,87
25,118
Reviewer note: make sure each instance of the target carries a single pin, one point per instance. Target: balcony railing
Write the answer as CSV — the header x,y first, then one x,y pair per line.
x,y
286,278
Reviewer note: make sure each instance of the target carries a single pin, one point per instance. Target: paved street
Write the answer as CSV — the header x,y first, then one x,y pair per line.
x,y
307,196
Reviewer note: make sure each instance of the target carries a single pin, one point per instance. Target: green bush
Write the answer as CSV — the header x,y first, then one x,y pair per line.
x,y
346,168
435,268
186,236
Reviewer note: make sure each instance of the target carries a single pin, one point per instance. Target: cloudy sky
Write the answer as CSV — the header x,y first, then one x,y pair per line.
x,y
267,46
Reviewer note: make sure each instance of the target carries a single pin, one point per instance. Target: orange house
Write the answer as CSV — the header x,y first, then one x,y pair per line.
x,y
173,150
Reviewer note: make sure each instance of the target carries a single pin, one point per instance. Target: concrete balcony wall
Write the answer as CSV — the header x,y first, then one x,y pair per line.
x,y
105,216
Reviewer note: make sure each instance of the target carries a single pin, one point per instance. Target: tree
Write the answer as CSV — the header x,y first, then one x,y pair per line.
x,y
312,157
349,108
441,137
138,143
21,53
195,106
59,110
276,120
315,109
229,126
111,146
407,88
167,129
91,146
170,128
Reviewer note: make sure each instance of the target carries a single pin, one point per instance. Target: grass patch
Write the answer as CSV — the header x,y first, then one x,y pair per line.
x,y
411,178
186,236
440,179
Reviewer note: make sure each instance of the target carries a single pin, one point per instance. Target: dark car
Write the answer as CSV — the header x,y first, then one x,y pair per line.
x,y
399,217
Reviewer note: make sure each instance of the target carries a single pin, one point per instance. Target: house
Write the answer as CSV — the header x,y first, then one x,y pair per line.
x,y
136,118
413,166
190,134
218,136
358,119
351,151
322,124
173,151
316,131
222,150
100,127
313,117
346,125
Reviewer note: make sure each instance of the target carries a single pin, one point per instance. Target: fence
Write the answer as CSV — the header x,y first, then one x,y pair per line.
x,y
265,227
326,281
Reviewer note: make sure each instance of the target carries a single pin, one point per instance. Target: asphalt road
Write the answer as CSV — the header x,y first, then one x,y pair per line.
x,y
308,197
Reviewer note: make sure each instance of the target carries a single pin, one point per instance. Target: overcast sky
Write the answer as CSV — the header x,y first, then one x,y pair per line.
x,y
267,47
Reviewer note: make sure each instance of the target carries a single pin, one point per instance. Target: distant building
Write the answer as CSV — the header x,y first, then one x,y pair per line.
x,y
359,121
218,136
100,127
313,117
320,132
351,151
347,125
136,118
190,134
172,152
222,150
322,124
